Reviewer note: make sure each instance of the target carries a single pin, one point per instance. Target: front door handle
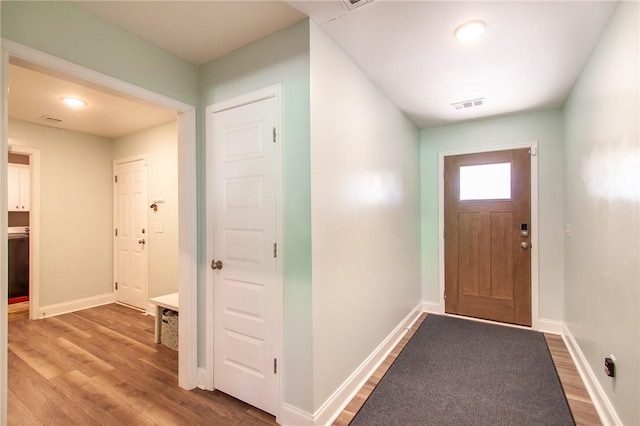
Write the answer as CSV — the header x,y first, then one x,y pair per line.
x,y
142,241
216,264
524,245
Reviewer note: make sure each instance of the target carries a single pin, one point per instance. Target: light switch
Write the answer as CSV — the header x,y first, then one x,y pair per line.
x,y
159,227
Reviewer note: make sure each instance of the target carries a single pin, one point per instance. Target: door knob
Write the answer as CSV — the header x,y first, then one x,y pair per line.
x,y
141,241
524,245
216,264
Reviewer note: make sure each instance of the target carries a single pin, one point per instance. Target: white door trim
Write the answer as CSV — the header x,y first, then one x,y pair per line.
x,y
274,92
187,210
34,225
535,309
4,279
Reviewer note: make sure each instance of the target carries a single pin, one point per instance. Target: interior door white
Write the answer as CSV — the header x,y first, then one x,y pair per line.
x,y
131,217
245,311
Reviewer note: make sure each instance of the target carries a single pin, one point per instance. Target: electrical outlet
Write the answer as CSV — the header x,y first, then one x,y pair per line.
x,y
610,366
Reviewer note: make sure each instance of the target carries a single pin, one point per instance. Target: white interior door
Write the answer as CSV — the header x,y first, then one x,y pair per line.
x,y
244,225
131,217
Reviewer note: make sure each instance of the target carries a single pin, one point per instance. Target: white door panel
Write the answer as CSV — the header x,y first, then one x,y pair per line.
x,y
131,260
244,234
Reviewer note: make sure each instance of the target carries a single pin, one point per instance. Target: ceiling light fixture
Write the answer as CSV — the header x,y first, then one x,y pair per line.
x,y
470,30
73,102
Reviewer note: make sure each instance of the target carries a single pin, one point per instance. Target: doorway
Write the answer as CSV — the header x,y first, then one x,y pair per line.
x,y
186,158
488,265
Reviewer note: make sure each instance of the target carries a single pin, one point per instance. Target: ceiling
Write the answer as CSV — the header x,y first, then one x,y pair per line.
x,y
528,59
34,96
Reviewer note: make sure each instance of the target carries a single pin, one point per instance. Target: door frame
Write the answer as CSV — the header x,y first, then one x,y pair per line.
x,y
275,92
116,163
187,206
533,146
34,224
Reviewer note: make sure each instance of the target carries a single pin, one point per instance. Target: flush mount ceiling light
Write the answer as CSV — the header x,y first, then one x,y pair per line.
x,y
470,30
73,102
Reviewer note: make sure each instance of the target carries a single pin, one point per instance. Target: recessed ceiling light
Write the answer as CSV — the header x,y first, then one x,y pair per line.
x,y
73,102
470,30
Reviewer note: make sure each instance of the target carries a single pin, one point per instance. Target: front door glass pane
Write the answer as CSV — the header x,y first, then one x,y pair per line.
x,y
485,182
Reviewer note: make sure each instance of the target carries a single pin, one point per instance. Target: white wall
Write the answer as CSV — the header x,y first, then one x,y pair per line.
x,y
602,204
365,215
544,127
161,146
75,211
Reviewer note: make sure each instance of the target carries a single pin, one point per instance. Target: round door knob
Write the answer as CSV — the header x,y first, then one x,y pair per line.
x,y
216,264
524,245
142,241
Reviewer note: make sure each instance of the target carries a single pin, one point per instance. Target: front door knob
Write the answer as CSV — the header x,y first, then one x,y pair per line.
x,y
216,264
524,245
142,241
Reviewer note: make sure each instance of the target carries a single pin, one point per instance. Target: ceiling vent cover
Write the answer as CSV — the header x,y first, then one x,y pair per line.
x,y
468,104
352,4
50,119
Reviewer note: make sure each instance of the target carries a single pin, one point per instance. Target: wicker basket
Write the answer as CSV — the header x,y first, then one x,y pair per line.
x,y
169,329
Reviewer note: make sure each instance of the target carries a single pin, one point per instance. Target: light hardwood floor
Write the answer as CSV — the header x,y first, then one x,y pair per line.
x,y
101,366
580,403
18,310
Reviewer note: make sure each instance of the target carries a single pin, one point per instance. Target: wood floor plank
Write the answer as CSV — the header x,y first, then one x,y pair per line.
x,y
18,311
103,367
42,398
20,414
97,401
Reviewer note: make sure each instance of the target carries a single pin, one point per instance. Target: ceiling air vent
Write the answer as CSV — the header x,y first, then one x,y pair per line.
x,y
352,4
50,119
468,104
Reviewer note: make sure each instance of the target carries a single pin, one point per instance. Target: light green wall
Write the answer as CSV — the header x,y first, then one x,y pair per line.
x,y
76,211
281,58
64,30
160,144
365,204
544,127
602,204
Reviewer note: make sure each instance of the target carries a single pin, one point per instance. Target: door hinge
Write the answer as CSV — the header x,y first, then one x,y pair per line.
x,y
274,135
115,178
275,366
116,285
116,232
275,250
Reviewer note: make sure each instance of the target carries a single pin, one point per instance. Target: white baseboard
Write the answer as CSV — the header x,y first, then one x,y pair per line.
x,y
432,307
294,416
75,305
603,405
334,405
550,326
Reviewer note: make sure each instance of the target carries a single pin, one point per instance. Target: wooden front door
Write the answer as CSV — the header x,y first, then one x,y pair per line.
x,y
487,208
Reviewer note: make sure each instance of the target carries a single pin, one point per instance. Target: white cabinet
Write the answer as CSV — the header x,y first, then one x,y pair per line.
x,y
18,187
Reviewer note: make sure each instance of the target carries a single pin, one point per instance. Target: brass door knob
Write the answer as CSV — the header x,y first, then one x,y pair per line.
x,y
216,264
